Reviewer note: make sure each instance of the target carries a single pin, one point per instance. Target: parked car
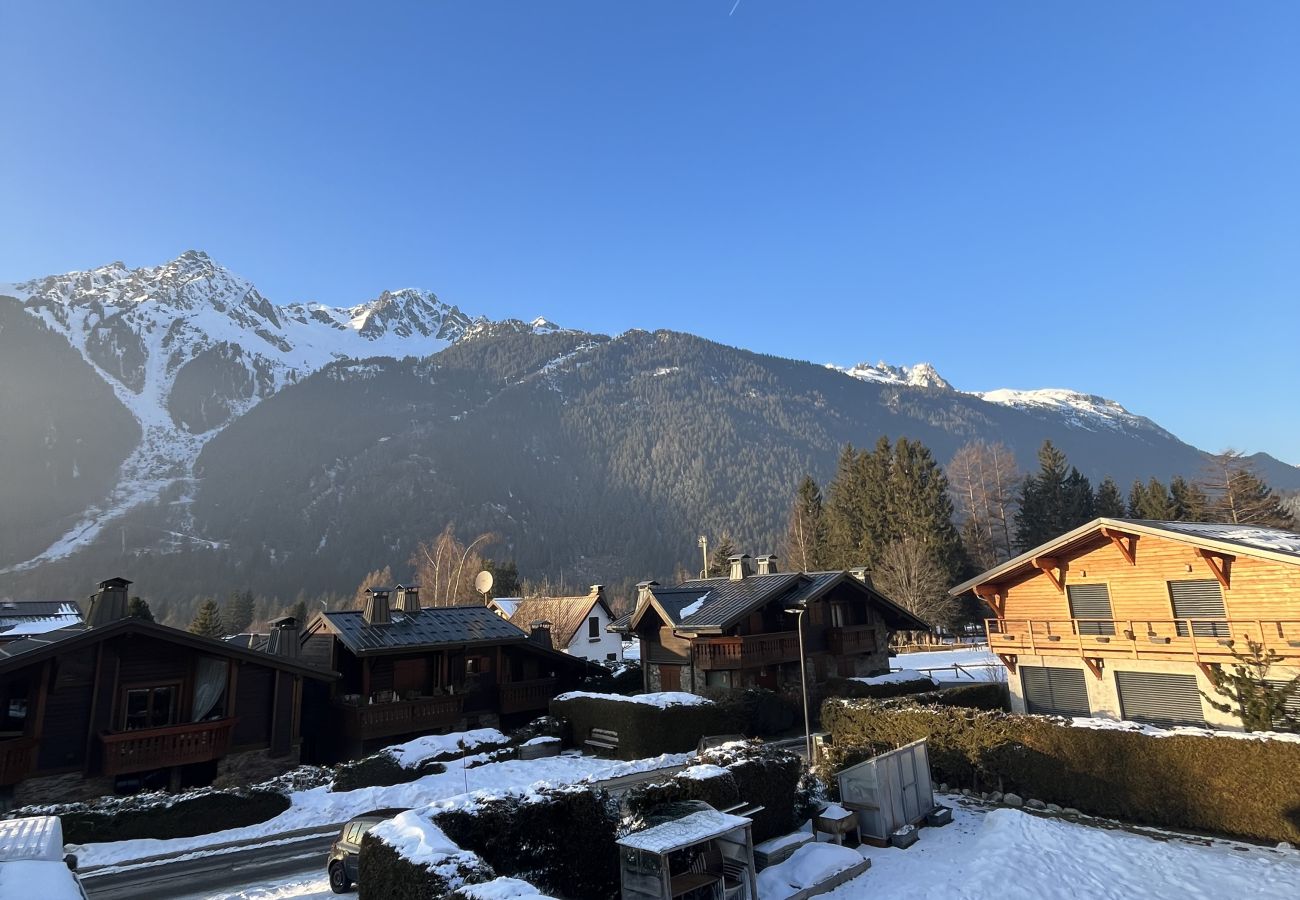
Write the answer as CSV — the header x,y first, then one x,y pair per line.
x,y
346,851
32,863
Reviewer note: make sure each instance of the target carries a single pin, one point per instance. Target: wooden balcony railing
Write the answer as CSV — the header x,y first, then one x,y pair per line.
x,y
1196,640
526,696
378,720
850,640
157,748
17,759
748,652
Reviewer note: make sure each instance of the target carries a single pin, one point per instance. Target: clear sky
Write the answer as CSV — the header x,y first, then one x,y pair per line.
x,y
1103,196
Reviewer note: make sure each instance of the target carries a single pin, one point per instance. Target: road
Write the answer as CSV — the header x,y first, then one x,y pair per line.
x,y
227,868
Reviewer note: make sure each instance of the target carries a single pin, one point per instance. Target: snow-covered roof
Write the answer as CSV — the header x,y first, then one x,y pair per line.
x,y
20,618
694,828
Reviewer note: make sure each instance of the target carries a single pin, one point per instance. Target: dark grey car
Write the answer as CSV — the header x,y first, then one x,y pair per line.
x,y
345,852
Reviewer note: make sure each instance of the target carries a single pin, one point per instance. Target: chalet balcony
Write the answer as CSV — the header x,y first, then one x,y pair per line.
x,y
1193,640
851,640
379,720
526,696
750,652
17,759
144,749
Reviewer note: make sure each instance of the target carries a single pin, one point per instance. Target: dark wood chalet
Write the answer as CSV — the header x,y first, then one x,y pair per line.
x,y
406,671
742,631
120,703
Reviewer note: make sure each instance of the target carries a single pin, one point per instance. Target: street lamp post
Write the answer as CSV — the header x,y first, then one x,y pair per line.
x,y
798,612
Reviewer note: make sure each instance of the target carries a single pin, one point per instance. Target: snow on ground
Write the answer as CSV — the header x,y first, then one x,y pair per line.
x,y
414,752
811,864
1013,855
663,699
311,884
319,807
973,664
1172,730
898,676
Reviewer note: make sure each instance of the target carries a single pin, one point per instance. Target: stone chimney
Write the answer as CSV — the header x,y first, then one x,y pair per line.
x,y
377,611
283,639
108,604
540,633
643,589
767,565
739,566
408,598
863,574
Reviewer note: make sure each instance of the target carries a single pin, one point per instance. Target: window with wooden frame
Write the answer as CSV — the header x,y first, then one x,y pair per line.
x,y
149,706
839,615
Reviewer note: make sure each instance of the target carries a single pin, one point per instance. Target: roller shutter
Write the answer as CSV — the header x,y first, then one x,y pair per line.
x,y
1201,599
1159,698
1055,691
1091,601
1292,703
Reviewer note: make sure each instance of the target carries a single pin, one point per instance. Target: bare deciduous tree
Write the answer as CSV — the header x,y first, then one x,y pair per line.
x,y
983,479
910,576
445,567
1237,495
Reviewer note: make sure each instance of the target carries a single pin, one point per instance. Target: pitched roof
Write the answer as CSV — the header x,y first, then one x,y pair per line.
x,y
566,615
715,604
431,627
507,605
1248,540
16,654
20,618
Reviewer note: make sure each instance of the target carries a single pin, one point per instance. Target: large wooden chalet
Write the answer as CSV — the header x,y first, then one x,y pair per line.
x,y
1124,618
741,631
120,703
406,670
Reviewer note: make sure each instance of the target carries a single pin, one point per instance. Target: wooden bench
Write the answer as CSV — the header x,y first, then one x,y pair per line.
x,y
603,740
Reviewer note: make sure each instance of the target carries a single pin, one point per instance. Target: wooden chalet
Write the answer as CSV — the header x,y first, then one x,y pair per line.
x,y
1124,618
121,703
407,670
577,625
24,618
740,631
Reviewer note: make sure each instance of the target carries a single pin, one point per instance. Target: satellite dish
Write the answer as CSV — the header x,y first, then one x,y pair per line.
x,y
483,583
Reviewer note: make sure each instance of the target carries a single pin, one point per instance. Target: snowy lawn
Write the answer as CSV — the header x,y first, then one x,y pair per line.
x,y
1012,855
306,885
319,807
976,664
898,676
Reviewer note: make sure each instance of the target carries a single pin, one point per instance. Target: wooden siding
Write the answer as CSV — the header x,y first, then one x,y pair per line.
x,y
67,712
1259,589
253,697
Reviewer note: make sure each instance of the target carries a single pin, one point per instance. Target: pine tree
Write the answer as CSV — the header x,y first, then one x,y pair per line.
x,y
1239,496
1151,501
719,564
208,620
1190,502
804,544
1109,503
138,608
920,508
238,614
845,510
1260,702
505,577
1053,501
298,612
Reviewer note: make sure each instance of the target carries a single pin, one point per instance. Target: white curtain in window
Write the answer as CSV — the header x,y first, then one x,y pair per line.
x,y
209,684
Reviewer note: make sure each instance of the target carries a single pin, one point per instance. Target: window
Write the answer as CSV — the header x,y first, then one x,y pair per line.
x,y
1091,603
150,707
839,615
1199,600
593,628
1159,698
610,657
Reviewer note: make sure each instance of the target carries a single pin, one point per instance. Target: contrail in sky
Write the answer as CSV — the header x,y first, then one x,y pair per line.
x,y
734,7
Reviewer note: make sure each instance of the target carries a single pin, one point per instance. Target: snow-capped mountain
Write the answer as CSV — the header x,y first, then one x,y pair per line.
x,y
1073,408
189,346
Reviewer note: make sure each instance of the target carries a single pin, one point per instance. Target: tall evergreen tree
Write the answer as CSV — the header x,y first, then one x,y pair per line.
x,y
846,508
1109,501
505,577
1042,499
138,608
804,544
238,614
920,507
208,620
718,559
1151,501
1190,502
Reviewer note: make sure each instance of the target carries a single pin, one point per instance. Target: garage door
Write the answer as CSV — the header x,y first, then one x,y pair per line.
x,y
1055,691
1159,698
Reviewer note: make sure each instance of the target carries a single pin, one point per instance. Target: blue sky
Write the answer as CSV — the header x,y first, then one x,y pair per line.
x,y
1102,196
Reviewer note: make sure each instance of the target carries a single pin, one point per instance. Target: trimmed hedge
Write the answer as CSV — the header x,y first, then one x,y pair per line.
x,y
380,770
857,690
719,791
645,730
186,815
987,695
1235,786
383,874
562,839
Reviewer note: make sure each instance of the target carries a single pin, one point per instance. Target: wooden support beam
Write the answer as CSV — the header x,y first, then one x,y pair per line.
x,y
1094,666
992,596
1220,564
1206,669
1051,567
1117,538
1009,660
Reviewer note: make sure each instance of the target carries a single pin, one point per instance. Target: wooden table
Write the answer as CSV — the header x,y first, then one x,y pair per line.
x,y
690,881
